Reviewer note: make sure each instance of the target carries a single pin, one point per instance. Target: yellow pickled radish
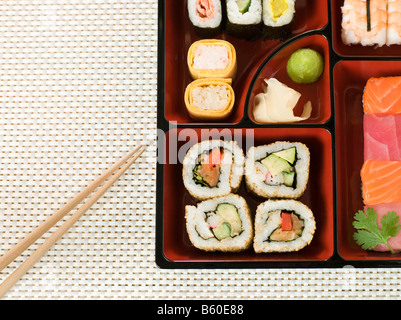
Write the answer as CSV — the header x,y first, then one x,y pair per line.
x,y
278,7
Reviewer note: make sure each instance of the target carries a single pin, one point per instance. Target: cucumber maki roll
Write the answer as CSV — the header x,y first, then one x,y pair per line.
x,y
244,18
278,170
277,18
206,17
220,224
283,226
213,168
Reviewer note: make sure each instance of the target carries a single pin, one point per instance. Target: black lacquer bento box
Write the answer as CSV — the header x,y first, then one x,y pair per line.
x,y
333,133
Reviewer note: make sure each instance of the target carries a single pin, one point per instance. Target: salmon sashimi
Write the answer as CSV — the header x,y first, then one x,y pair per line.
x,y
381,182
382,137
383,209
382,95
363,24
394,22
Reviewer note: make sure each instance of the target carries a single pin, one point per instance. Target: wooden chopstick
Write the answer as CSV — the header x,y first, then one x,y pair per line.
x,y
45,226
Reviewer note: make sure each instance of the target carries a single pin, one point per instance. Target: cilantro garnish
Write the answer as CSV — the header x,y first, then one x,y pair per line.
x,y
369,235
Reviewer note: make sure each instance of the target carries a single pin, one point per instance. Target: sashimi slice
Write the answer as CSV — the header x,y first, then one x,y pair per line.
x,y
382,137
381,182
382,95
382,209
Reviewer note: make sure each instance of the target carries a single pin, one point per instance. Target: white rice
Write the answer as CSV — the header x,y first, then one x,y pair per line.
x,y
201,235
252,16
255,179
266,222
284,19
231,170
212,22
211,97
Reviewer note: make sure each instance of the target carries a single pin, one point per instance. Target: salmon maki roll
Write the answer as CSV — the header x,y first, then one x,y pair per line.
x,y
364,22
206,17
382,95
381,182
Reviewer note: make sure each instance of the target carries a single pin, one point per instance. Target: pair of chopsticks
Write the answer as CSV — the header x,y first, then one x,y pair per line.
x,y
52,220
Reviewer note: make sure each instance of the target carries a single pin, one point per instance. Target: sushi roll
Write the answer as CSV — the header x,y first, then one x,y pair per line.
x,y
211,58
364,22
213,168
206,17
220,224
244,18
209,99
283,226
278,170
277,18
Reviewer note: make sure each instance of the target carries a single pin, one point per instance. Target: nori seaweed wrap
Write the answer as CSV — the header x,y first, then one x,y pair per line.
x,y
206,17
244,19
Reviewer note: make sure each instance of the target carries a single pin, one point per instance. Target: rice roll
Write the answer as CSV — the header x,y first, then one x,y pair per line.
x,y
278,170
220,224
209,99
283,226
206,17
277,18
213,168
211,58
244,18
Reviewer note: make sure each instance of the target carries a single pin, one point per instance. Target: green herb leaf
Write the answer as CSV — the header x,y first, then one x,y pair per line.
x,y
369,235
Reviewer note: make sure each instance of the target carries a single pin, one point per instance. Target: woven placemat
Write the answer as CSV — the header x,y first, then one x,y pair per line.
x,y
79,90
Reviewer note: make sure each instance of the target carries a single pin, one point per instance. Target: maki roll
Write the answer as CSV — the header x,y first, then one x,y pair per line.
x,y
213,168
277,18
278,170
209,99
244,18
206,17
211,58
283,226
220,224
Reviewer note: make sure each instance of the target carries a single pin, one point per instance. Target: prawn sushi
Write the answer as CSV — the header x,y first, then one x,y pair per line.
x,y
244,18
364,22
209,99
278,170
213,168
283,226
206,17
220,224
393,22
210,58
277,18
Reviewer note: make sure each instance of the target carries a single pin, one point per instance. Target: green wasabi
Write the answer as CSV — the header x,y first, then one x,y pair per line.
x,y
305,66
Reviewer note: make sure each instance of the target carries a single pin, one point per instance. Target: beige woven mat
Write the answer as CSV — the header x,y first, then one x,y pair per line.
x,y
78,90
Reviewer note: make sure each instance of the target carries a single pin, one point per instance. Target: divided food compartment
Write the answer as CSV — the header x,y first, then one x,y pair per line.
x,y
333,133
176,244
179,34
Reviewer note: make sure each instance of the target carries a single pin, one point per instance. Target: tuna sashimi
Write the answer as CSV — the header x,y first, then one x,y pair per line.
x,y
382,137
381,182
382,209
382,95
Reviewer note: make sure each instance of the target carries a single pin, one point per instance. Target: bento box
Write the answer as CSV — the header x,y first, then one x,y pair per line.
x,y
263,164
